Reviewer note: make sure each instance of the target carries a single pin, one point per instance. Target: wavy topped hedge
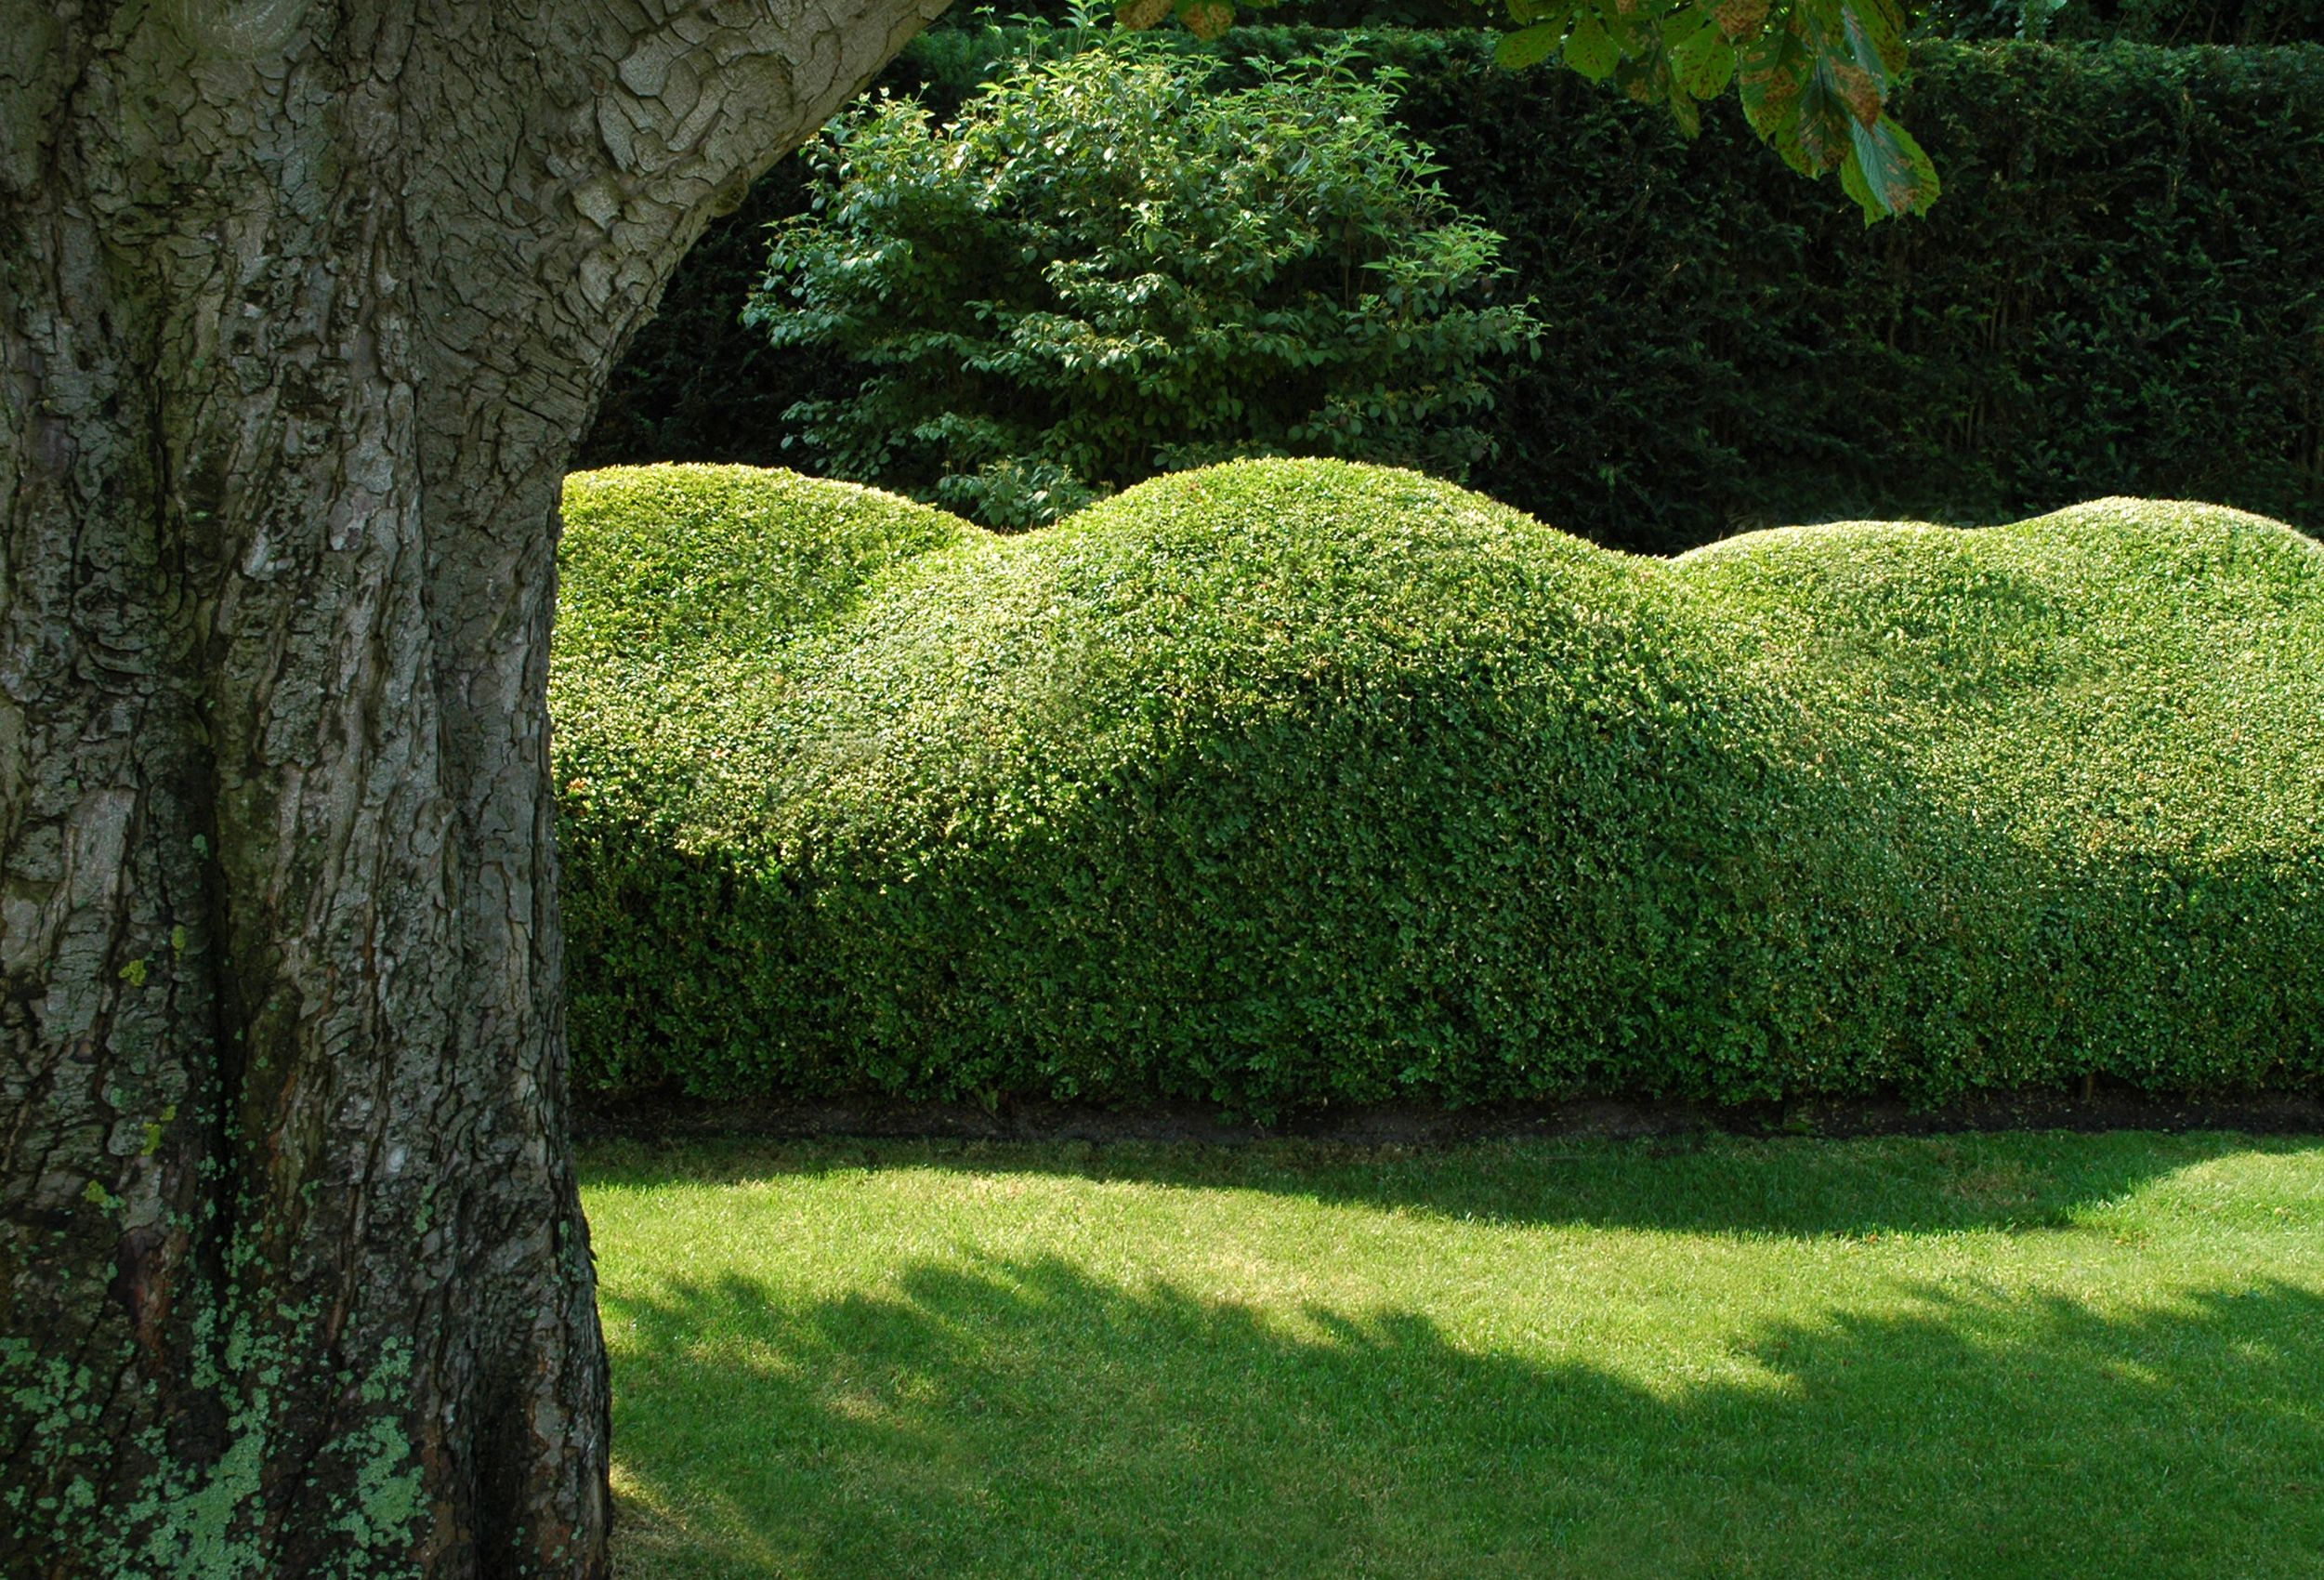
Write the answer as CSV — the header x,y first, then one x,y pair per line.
x,y
1291,782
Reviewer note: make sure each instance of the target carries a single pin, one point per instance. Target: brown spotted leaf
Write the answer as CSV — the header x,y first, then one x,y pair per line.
x,y
1856,91
1139,15
1643,81
1773,68
1591,50
1208,19
1886,172
1703,61
1739,18
1874,31
1528,46
1823,122
1683,111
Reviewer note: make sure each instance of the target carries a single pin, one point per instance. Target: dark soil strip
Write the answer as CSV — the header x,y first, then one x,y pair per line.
x,y
2122,1107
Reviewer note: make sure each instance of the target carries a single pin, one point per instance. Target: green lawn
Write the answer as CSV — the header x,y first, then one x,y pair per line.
x,y
1993,1355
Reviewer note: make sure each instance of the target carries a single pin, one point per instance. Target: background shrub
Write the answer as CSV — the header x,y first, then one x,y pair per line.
x,y
1284,783
2173,23
1104,268
2121,291
2178,23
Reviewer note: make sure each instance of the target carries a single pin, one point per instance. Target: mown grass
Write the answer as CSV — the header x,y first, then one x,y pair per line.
x,y
1998,1355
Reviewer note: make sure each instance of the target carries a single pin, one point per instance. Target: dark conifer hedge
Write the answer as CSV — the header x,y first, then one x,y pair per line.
x,y
2121,291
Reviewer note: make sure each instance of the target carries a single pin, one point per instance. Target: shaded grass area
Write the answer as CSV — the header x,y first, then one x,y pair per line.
x,y
1980,1355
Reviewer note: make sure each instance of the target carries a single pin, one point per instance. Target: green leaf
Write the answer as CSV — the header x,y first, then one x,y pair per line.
x,y
1823,124
1771,71
1853,183
1874,30
1683,111
1891,172
1739,20
1646,81
1591,50
1528,46
1703,61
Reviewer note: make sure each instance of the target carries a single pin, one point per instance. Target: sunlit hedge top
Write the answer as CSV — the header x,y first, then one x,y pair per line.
x,y
1289,782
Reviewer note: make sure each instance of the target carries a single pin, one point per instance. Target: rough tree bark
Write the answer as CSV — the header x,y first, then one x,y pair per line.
x,y
302,305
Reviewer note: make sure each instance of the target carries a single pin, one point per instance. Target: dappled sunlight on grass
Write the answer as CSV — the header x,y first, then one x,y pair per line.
x,y
1500,1360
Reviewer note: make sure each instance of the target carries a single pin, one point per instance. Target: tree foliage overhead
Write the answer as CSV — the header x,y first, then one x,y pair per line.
x,y
1815,76
1107,269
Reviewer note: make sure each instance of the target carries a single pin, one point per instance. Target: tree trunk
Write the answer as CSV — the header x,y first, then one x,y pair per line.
x,y
302,307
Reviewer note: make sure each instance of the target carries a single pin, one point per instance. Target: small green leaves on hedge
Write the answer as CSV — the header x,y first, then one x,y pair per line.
x,y
1289,784
2181,24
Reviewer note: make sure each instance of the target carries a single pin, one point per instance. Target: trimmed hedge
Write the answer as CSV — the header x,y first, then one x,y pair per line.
x,y
2121,291
1284,783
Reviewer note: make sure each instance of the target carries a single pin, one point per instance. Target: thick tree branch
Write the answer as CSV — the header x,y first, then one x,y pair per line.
x,y
303,305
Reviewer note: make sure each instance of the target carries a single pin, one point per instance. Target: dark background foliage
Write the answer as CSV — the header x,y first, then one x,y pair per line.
x,y
2121,290
2178,23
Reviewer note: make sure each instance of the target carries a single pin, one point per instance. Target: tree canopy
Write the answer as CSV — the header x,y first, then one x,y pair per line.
x,y
1815,76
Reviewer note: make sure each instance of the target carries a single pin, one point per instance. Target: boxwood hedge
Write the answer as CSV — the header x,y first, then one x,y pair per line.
x,y
1284,783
